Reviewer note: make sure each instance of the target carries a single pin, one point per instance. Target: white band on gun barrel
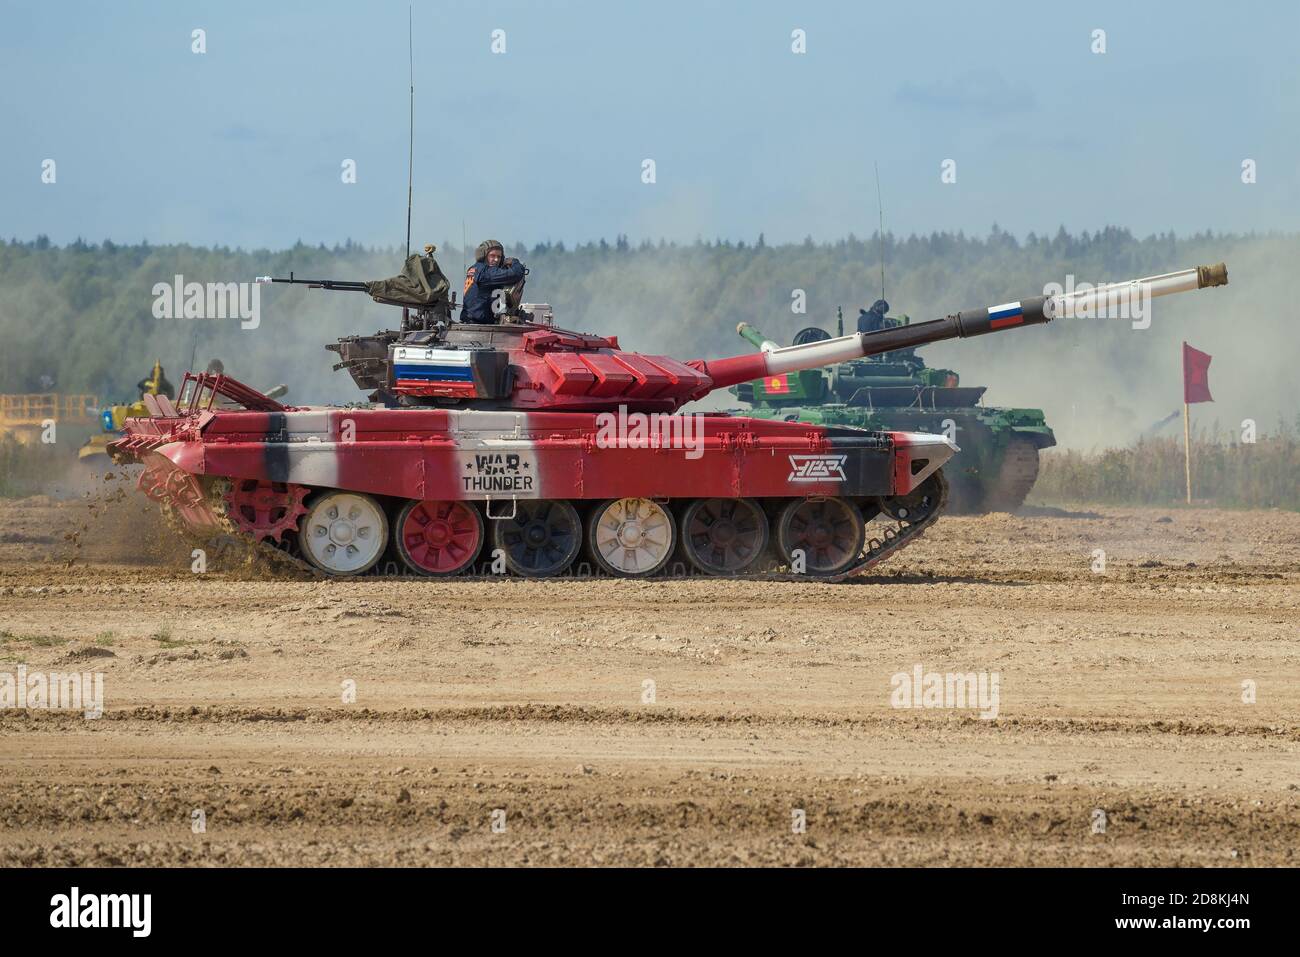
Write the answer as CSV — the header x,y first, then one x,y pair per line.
x,y
813,354
1117,298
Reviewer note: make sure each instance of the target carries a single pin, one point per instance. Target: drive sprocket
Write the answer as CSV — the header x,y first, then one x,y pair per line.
x,y
265,509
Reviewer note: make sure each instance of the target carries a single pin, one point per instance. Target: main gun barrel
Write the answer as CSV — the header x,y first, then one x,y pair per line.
x,y
1125,298
756,338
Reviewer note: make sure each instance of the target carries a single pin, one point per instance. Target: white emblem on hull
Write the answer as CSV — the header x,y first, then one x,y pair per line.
x,y
817,468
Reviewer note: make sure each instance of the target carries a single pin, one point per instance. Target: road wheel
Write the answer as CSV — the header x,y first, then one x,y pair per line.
x,y
829,532
542,538
344,533
724,536
631,537
438,537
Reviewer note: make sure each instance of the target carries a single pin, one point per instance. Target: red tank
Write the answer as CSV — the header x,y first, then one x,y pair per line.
x,y
527,448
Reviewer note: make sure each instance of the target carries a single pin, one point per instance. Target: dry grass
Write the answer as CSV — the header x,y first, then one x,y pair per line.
x,y
1262,474
25,467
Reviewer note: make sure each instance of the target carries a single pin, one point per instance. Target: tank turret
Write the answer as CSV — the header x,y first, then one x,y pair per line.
x,y
524,361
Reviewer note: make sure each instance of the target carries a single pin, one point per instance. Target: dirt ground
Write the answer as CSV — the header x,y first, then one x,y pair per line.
x,y
507,722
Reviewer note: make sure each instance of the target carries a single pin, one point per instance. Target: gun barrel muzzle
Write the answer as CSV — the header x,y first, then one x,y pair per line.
x,y
1216,275
1117,299
756,338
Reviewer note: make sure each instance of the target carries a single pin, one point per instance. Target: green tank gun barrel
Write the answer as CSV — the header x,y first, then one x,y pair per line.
x,y
755,338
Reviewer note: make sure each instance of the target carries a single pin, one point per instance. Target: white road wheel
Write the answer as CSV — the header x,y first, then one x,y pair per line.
x,y
632,537
344,533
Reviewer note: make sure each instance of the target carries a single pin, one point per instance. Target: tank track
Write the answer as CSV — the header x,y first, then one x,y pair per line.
x,y
232,542
1016,477
892,540
245,549
877,550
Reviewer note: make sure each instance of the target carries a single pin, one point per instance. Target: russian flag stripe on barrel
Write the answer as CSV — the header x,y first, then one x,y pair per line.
x,y
1007,314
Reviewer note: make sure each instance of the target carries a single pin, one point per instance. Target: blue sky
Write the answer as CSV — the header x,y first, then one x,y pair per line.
x,y
243,145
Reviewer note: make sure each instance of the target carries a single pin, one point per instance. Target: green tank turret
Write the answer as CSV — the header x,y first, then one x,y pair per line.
x,y
896,391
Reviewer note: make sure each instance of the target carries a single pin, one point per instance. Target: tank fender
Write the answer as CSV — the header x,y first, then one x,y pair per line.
x,y
1041,435
917,456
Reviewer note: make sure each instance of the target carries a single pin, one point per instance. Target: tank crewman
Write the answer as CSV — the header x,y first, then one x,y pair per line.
x,y
873,319
491,272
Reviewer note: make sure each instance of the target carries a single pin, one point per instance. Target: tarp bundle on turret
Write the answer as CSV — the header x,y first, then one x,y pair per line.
x,y
420,285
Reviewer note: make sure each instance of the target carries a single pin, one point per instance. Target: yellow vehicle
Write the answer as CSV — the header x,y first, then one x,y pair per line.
x,y
113,417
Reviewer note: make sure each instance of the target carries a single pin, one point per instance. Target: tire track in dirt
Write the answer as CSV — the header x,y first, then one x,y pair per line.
x,y
36,721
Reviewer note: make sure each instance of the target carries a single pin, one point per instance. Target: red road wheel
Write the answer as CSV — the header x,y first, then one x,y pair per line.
x,y
828,532
265,509
438,538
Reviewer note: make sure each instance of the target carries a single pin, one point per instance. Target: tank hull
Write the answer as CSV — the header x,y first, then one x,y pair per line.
x,y
210,466
998,458
447,454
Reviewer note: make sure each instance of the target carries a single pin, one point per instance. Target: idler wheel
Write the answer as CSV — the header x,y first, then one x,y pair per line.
x,y
438,538
265,509
344,533
918,504
829,532
542,538
631,537
724,536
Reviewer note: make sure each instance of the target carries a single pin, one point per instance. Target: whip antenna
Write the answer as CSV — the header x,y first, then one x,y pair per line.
x,y
410,155
881,207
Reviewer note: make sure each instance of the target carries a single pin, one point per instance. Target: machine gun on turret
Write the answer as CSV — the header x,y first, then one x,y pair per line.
x,y
420,288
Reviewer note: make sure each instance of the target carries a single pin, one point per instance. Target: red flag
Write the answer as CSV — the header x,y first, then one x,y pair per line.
x,y
1196,375
776,384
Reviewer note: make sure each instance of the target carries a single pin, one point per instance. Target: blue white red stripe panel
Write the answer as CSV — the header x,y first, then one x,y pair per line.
x,y
1007,314
415,362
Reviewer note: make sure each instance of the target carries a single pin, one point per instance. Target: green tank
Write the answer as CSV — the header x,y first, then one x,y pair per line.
x,y
897,392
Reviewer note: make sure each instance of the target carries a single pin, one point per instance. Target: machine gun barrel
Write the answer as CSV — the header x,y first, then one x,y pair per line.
x,y
340,285
1123,297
